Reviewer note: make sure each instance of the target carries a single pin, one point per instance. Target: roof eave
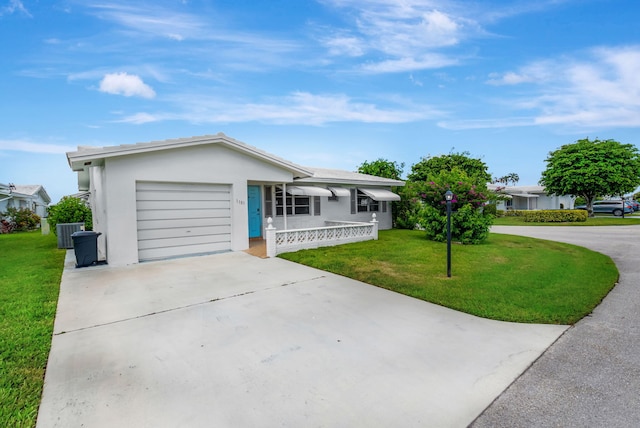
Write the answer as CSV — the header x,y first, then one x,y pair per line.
x,y
354,182
83,158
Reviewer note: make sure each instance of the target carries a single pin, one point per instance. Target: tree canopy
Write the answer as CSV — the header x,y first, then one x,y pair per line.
x,y
474,168
589,168
382,168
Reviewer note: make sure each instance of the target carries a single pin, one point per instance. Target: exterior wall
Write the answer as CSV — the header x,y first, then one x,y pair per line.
x,y
542,202
200,164
4,202
34,203
339,210
98,205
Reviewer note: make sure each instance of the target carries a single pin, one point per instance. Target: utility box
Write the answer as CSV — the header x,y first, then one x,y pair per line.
x,y
64,232
85,245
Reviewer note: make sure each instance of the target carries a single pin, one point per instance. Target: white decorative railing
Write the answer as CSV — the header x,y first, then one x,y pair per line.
x,y
337,233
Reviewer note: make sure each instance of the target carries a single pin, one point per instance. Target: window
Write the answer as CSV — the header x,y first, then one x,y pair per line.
x,y
295,205
366,204
301,205
268,201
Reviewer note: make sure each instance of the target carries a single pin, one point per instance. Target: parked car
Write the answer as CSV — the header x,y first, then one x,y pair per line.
x,y
609,207
634,204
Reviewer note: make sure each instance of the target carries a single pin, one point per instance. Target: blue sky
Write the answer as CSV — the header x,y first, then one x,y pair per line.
x,y
325,83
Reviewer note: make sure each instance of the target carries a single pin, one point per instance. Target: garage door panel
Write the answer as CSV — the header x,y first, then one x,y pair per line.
x,y
182,242
183,214
180,205
183,222
186,232
164,186
178,219
167,252
154,195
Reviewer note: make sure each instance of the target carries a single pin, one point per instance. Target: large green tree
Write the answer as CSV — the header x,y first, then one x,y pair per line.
x,y
387,169
382,168
589,168
474,168
423,197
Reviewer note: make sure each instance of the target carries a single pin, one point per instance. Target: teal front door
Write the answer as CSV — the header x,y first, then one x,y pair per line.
x,y
255,211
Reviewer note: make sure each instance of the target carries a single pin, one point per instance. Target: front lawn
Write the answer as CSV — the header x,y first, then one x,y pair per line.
x,y
508,278
30,271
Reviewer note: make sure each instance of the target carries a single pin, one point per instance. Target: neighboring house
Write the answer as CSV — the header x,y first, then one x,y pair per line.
x,y
212,193
5,196
531,198
32,197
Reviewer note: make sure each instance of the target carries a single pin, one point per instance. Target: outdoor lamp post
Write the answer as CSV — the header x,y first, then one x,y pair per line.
x,y
448,196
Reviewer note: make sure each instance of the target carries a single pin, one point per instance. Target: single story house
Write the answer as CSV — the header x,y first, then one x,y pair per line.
x,y
32,197
531,198
212,193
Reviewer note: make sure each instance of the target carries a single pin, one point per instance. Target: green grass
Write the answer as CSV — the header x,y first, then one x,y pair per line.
x,y
30,271
508,278
630,219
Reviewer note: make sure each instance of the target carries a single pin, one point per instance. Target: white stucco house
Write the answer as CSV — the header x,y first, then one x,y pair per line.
x,y
19,196
531,198
212,193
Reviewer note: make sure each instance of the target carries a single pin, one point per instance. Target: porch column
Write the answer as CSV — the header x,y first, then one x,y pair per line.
x,y
270,236
375,226
284,204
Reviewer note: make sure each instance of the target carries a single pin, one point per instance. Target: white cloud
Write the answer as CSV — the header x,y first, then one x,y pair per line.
x,y
429,61
31,147
140,118
298,108
126,84
594,89
155,20
14,6
405,33
345,44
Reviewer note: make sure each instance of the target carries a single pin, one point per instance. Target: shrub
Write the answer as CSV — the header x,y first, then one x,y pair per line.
x,y
406,210
469,224
515,213
555,216
490,209
70,210
19,220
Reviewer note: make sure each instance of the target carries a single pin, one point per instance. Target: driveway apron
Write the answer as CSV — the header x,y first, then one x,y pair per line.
x,y
591,376
231,340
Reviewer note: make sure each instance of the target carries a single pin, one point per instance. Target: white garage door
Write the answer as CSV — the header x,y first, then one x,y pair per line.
x,y
179,219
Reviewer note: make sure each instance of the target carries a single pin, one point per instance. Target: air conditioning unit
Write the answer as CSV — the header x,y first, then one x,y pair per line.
x,y
64,232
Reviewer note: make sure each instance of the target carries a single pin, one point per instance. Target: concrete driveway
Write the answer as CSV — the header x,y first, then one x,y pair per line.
x,y
231,340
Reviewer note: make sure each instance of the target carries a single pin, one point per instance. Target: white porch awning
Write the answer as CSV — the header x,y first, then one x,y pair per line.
x,y
525,195
339,191
380,194
308,191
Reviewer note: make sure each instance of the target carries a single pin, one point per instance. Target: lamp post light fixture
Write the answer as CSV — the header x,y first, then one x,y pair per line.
x,y
448,196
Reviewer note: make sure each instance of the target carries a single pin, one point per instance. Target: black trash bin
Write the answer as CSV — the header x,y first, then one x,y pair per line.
x,y
85,245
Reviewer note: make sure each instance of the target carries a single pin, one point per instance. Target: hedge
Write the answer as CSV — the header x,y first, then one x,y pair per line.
x,y
554,216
